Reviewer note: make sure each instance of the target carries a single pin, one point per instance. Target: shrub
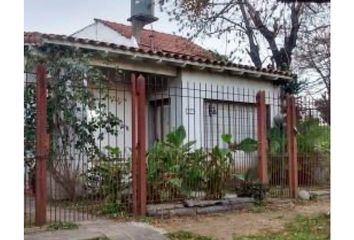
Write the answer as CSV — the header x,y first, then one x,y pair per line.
x,y
166,164
249,186
110,178
62,226
217,171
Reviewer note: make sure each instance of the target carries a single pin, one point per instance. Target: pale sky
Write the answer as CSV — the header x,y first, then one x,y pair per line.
x,y
68,16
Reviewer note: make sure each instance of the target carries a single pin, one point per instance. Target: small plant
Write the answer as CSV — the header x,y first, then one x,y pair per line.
x,y
111,209
249,186
62,226
184,235
217,170
110,178
166,161
253,189
193,173
247,145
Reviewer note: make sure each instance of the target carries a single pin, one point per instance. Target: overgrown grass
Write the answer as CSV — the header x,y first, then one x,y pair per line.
x,y
62,226
303,228
183,235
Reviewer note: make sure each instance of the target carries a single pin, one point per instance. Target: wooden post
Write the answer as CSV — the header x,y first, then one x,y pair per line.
x,y
42,144
139,145
262,137
292,145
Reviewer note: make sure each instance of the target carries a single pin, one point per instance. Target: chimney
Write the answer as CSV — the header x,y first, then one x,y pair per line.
x,y
137,26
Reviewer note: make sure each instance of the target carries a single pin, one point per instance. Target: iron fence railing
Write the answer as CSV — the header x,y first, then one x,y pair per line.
x,y
201,143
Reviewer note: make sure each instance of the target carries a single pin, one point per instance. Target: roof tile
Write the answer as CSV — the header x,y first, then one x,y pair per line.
x,y
36,38
153,40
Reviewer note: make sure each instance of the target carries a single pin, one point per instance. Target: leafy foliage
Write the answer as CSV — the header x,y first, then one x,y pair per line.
x,y
249,185
323,105
74,131
193,173
166,165
217,171
62,226
293,87
175,170
276,140
109,177
313,151
184,235
246,145
313,137
313,143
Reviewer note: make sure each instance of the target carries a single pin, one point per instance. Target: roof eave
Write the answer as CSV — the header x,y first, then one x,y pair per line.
x,y
169,60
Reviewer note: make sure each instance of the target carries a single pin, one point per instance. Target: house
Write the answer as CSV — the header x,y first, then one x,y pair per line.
x,y
186,85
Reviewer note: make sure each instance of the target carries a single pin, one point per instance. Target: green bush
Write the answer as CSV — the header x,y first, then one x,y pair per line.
x,y
217,171
62,226
175,170
167,161
109,178
313,144
184,235
249,185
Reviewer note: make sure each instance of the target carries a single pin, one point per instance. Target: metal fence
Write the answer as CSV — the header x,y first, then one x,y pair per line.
x,y
202,142
313,140
88,172
278,171
29,146
202,139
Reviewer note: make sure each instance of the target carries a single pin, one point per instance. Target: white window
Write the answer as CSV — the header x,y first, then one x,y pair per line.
x,y
225,117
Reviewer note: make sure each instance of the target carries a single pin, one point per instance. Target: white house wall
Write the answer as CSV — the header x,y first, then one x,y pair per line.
x,y
198,86
100,32
204,85
120,105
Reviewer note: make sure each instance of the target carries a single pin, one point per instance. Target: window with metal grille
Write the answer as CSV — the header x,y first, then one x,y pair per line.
x,y
227,117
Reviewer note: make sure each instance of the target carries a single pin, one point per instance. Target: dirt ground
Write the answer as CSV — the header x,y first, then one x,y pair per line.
x,y
223,226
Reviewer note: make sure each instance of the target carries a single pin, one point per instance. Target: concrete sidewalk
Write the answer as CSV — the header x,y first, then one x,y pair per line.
x,y
102,229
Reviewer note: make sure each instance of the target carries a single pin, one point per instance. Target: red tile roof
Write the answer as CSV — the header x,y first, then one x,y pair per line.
x,y
153,40
36,38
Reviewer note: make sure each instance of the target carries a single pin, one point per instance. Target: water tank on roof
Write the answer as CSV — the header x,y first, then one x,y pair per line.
x,y
142,11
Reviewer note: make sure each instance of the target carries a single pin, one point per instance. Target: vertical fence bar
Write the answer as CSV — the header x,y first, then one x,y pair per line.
x,y
138,145
42,146
292,145
262,137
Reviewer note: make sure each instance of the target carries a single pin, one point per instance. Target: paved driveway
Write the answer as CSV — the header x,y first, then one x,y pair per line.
x,y
100,229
